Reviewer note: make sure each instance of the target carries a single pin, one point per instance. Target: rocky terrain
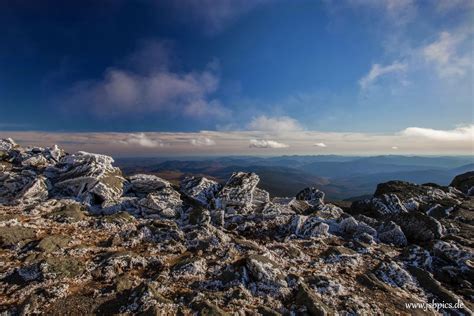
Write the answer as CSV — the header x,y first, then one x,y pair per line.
x,y
79,238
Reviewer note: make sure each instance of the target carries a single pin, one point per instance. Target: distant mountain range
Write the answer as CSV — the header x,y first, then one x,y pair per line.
x,y
341,177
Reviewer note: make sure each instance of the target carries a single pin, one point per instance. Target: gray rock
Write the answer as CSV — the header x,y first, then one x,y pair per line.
x,y
265,270
165,203
464,182
91,178
384,205
6,145
391,233
312,196
395,275
416,256
143,184
419,227
200,189
237,195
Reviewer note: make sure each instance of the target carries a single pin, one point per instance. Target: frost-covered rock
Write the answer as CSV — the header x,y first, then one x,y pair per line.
x,y
165,202
260,198
88,177
348,225
395,275
6,145
454,253
312,197
330,211
307,226
386,204
143,184
40,158
351,227
199,216
23,188
420,197
313,227
36,191
200,189
416,256
237,195
391,233
265,270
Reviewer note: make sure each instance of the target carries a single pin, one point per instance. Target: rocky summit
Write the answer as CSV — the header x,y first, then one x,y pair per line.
x,y
78,237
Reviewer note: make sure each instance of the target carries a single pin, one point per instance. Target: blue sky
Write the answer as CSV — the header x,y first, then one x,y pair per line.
x,y
344,67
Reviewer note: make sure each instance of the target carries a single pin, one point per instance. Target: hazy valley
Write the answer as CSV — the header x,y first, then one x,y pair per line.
x,y
341,177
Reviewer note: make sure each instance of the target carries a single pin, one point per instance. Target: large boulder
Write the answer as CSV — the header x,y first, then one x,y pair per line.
x,y
312,197
200,189
420,197
6,145
349,226
90,178
23,188
419,227
143,184
391,233
35,158
163,203
377,207
464,182
240,194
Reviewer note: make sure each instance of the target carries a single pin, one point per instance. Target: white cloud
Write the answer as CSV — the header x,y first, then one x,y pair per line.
x,y
378,71
262,143
202,141
152,89
274,124
323,145
141,139
443,54
464,133
395,147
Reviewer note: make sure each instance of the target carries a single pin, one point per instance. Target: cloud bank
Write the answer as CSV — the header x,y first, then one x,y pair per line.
x,y
412,140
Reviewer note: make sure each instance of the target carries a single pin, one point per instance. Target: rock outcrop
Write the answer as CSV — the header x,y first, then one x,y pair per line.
x,y
78,237
464,182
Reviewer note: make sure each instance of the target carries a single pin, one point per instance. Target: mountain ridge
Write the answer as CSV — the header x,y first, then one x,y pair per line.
x,y
360,177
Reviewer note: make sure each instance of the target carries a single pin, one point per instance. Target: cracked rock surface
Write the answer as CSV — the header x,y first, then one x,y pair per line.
x,y
79,238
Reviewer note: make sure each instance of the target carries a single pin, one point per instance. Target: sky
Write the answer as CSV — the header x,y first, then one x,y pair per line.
x,y
263,77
